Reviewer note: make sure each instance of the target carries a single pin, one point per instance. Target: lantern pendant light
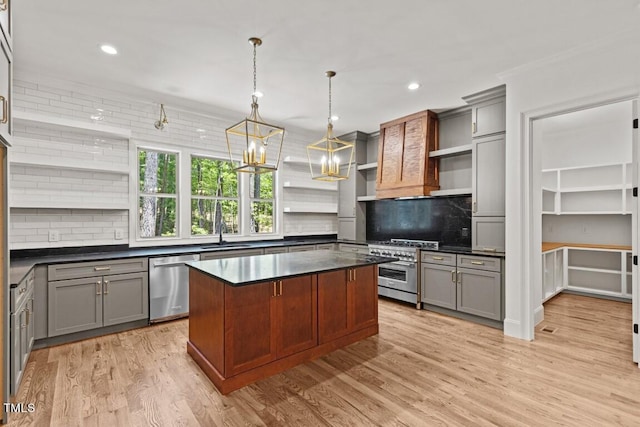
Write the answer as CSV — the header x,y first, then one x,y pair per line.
x,y
254,144
330,158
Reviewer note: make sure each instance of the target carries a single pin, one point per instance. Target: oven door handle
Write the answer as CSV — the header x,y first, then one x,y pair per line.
x,y
402,263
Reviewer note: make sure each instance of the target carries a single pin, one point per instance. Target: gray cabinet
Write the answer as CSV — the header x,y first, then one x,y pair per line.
x,y
21,326
351,213
276,250
489,117
77,305
353,247
465,283
479,292
326,246
90,295
6,83
488,233
489,176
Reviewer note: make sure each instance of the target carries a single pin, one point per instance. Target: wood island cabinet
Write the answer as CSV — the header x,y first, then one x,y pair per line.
x,y
239,334
404,166
346,302
269,320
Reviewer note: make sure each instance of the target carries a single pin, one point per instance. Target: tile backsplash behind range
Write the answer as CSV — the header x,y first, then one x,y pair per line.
x,y
443,219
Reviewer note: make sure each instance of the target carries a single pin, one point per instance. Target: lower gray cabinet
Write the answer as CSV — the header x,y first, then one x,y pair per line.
x,y
480,293
466,283
21,327
77,305
488,234
439,286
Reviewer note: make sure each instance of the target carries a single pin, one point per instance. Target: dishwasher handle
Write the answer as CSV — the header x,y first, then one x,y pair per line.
x,y
170,264
174,263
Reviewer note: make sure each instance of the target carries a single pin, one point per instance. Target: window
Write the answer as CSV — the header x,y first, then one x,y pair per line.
x,y
214,197
157,190
261,194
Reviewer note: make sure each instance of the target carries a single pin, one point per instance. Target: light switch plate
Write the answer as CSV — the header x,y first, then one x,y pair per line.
x,y
118,234
54,236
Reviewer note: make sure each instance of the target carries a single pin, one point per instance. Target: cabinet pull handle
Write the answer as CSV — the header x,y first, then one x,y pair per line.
x,y
98,287
474,127
28,316
474,207
3,6
453,276
489,249
459,276
106,287
354,275
477,262
5,110
106,268
22,290
348,275
274,293
438,258
279,287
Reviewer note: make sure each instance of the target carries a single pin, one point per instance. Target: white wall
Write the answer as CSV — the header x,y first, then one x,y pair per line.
x,y
34,190
601,72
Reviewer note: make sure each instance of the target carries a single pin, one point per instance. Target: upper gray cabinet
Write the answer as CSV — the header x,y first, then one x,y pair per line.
x,y
351,213
488,112
489,176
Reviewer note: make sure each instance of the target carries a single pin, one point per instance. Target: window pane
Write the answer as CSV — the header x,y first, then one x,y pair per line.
x,y
157,216
213,178
157,172
261,186
208,215
262,217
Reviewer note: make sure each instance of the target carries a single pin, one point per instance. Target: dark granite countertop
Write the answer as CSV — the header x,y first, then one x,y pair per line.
x,y
261,268
20,267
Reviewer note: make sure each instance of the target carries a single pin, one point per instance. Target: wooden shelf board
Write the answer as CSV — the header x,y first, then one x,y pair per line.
x,y
368,166
29,117
594,270
592,213
296,160
451,192
366,198
306,233
598,292
331,209
17,158
462,149
548,246
311,186
616,187
66,205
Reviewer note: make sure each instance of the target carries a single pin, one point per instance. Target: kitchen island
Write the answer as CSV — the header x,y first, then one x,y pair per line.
x,y
252,317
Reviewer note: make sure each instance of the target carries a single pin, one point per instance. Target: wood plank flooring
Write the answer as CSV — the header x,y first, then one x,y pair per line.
x,y
423,369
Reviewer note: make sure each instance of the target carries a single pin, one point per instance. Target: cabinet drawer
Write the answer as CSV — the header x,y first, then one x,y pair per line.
x,y
20,292
96,268
302,248
276,250
350,247
328,247
438,258
479,262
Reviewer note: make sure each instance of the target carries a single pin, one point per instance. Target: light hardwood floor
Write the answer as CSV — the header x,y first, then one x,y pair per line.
x,y
422,369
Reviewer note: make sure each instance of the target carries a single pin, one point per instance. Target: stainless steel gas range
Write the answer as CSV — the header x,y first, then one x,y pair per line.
x,y
399,279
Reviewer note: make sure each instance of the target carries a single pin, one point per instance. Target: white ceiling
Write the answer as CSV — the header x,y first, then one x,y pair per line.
x,y
198,50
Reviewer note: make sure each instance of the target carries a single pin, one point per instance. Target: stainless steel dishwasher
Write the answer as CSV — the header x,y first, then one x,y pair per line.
x,y
169,287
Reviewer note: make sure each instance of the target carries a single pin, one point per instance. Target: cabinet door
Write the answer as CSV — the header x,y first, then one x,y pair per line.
x,y
363,297
248,327
333,301
302,248
24,335
297,315
548,274
125,298
487,234
6,71
480,292
30,322
439,285
347,228
16,354
489,117
74,305
489,176
326,246
347,195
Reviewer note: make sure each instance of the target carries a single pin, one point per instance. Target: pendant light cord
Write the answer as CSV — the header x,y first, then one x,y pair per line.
x,y
329,100
254,73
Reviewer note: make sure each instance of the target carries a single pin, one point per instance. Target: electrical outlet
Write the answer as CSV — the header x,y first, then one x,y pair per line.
x,y
54,236
118,234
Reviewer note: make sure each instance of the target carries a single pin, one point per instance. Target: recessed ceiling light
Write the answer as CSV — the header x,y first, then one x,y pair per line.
x,y
108,49
413,86
334,118
258,94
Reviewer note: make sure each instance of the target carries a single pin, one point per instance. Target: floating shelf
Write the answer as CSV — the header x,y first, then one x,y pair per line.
x,y
312,185
461,149
307,208
451,192
18,158
296,160
368,166
28,117
366,198
306,233
52,204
